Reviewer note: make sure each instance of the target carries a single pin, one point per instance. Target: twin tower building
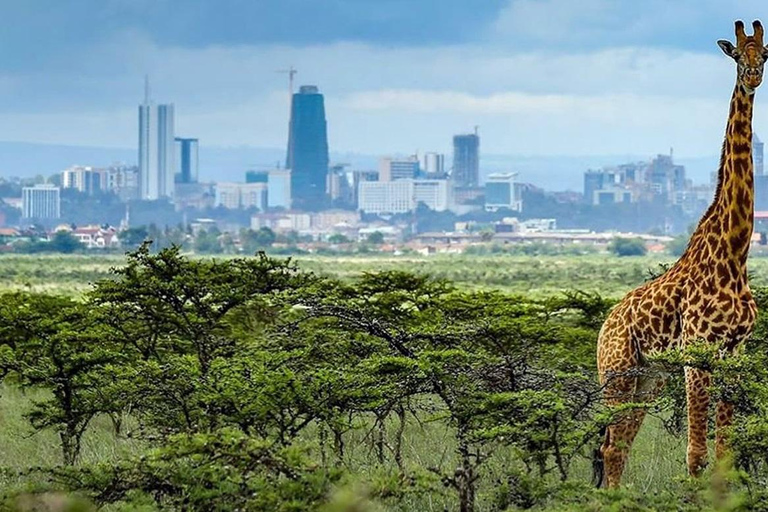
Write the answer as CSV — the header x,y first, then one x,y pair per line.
x,y
165,159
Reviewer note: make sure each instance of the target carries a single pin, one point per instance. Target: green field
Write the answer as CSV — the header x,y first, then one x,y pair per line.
x,y
538,275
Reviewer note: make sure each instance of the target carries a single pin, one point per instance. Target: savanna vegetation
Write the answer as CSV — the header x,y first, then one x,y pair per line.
x,y
158,381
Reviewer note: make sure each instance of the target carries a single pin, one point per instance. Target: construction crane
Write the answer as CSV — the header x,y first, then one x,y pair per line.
x,y
291,72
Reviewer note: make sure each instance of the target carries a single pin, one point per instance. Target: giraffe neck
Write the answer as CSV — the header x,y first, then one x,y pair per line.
x,y
730,218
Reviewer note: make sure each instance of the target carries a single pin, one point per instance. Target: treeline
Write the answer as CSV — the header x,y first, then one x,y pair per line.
x,y
248,384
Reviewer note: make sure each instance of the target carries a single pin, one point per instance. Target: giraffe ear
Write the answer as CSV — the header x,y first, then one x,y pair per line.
x,y
727,47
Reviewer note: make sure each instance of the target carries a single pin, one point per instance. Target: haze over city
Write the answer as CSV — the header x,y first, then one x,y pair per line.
x,y
540,78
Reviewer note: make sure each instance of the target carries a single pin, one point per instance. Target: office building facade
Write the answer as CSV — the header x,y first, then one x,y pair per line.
x,y
391,169
501,192
235,196
434,165
156,151
85,179
187,160
307,156
402,196
279,189
466,160
41,202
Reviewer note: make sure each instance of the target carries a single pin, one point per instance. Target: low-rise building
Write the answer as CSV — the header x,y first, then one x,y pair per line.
x,y
41,202
241,195
402,196
282,222
501,192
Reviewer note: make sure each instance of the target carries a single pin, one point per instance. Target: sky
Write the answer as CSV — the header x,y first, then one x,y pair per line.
x,y
538,77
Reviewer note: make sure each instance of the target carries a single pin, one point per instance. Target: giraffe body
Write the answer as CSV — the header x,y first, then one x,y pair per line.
x,y
704,296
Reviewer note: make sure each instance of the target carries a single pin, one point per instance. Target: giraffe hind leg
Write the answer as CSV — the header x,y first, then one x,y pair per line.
x,y
697,384
620,434
619,437
641,388
723,421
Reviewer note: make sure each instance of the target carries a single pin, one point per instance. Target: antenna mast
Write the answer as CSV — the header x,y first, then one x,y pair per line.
x,y
146,90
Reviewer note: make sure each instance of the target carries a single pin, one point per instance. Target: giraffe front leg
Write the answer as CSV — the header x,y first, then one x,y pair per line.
x,y
697,384
723,421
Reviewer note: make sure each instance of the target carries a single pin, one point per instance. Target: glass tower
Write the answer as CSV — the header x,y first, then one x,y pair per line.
x,y
307,156
187,160
466,160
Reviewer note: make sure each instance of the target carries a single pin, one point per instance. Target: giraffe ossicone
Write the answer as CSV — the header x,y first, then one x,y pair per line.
x,y
704,296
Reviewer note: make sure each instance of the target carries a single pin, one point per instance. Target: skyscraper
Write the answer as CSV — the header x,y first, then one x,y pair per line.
x,y
466,160
186,160
307,156
156,149
757,154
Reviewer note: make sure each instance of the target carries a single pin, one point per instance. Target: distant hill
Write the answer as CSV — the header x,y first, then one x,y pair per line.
x,y
230,163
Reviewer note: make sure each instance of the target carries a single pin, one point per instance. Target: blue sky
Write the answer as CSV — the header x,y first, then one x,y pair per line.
x,y
540,77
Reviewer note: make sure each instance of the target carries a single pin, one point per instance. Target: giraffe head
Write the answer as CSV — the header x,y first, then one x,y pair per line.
x,y
749,53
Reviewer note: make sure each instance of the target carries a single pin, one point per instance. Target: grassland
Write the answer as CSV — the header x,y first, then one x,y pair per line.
x,y
534,275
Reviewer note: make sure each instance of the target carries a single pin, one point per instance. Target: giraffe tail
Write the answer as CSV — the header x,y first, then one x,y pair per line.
x,y
598,464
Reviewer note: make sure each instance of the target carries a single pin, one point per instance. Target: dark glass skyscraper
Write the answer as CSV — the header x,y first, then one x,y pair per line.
x,y
308,150
187,159
466,160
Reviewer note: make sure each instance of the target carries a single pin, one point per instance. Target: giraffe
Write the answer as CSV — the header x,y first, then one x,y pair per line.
x,y
704,296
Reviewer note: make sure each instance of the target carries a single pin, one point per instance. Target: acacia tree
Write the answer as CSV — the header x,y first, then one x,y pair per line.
x,y
173,314
480,355
56,344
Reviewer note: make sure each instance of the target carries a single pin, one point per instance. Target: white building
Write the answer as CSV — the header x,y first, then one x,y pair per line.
x,y
434,164
282,222
123,180
501,192
386,196
254,195
84,178
40,202
156,150
401,196
241,195
279,189
435,194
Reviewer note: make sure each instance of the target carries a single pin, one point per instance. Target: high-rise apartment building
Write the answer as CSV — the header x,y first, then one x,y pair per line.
x,y
466,160
434,165
40,202
123,180
307,156
757,154
85,179
187,163
156,150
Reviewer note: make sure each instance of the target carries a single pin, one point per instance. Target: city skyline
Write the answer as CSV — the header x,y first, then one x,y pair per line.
x,y
525,86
